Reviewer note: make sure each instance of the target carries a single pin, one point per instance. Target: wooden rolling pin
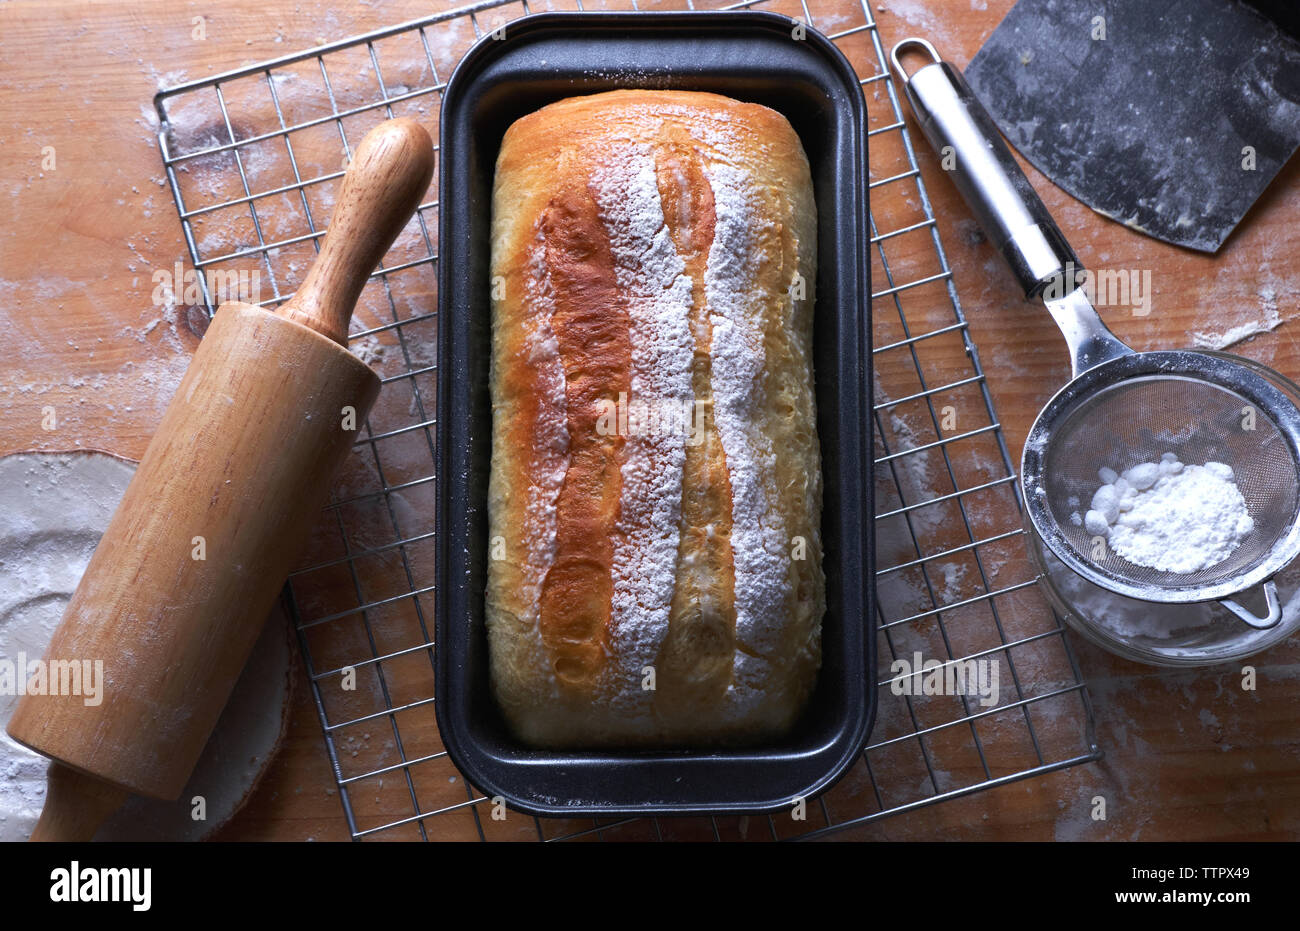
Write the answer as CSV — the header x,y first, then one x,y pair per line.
x,y
179,587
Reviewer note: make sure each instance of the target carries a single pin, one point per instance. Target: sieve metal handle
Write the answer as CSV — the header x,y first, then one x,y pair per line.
x,y
973,152
1249,617
1008,209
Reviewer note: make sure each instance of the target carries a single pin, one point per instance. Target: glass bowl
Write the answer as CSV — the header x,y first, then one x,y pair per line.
x,y
1199,634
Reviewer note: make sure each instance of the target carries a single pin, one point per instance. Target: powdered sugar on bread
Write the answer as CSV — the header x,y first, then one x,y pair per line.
x,y
659,300
758,536
550,455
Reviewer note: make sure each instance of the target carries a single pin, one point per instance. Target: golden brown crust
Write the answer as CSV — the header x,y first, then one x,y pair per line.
x,y
591,330
648,587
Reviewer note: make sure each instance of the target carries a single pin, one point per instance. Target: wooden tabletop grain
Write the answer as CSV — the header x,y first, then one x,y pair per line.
x,y
1188,754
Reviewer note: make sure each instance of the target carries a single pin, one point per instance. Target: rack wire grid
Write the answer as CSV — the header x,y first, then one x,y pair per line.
x,y
253,157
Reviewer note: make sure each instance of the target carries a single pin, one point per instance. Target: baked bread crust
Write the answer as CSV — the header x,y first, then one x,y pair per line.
x,y
654,504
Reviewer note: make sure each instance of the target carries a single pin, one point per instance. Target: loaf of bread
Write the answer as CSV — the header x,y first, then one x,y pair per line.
x,y
654,572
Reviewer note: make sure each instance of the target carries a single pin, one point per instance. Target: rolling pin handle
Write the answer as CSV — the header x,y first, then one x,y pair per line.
x,y
76,804
389,174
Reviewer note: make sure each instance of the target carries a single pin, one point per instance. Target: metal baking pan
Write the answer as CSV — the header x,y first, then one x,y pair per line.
x,y
750,56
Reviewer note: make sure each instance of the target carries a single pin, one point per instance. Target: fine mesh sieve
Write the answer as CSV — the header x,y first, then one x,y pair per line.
x,y
1140,419
1202,407
1121,408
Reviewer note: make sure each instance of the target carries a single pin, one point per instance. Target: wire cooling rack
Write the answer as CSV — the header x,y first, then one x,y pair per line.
x,y
253,157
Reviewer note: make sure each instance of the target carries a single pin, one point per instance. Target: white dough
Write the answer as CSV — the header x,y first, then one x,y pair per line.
x,y
53,510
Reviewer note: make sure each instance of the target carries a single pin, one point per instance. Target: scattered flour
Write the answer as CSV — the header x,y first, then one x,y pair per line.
x,y
1203,339
1170,517
1269,320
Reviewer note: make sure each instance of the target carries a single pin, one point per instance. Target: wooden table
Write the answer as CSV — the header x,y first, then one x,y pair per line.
x,y
1188,754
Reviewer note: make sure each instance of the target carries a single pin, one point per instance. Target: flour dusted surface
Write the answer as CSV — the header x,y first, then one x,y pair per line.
x,y
650,270
758,536
53,509
550,456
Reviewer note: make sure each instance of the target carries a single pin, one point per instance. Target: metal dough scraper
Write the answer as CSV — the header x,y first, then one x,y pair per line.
x,y
1170,117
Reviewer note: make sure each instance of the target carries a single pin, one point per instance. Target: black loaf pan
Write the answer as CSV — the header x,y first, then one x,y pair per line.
x,y
750,56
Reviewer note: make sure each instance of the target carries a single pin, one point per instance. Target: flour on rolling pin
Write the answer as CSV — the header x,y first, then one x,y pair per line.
x,y
53,509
